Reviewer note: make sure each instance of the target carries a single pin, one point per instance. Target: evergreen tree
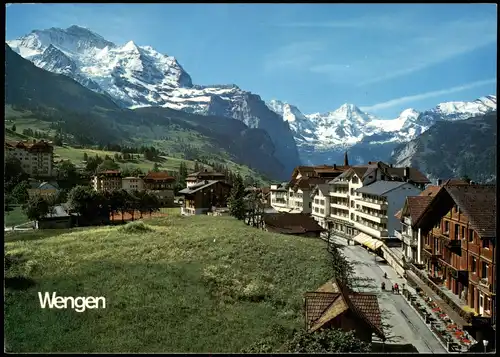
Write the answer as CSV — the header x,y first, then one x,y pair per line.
x,y
14,127
156,167
236,202
85,156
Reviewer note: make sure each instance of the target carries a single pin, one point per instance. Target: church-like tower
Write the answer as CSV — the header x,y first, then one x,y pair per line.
x,y
346,160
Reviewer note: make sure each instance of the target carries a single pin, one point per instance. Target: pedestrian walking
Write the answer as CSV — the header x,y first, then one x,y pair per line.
x,y
392,287
396,287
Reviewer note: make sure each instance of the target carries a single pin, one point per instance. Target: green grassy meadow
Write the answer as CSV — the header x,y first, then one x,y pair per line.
x,y
192,284
15,217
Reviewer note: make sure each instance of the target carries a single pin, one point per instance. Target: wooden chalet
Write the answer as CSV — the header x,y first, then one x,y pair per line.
x,y
162,185
201,176
205,196
333,305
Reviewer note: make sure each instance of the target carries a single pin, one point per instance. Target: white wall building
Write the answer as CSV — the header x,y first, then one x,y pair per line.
x,y
320,209
279,197
376,208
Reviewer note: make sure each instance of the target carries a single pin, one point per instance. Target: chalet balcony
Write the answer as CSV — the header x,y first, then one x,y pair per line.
x,y
409,240
340,216
484,284
372,203
371,229
372,216
341,183
339,205
338,193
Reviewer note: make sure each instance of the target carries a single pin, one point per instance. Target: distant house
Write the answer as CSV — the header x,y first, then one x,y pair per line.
x,y
57,219
36,157
133,183
44,189
298,224
108,180
162,185
202,197
334,305
201,176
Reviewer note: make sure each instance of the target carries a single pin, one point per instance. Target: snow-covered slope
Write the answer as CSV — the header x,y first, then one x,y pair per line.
x,y
138,76
323,137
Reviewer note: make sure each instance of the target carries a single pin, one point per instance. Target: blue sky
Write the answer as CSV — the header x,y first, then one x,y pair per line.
x,y
383,58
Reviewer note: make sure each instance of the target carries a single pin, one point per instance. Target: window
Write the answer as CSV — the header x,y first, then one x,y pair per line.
x,y
463,233
486,243
322,202
457,231
487,304
352,204
355,179
484,271
471,235
473,265
309,204
446,227
352,216
352,191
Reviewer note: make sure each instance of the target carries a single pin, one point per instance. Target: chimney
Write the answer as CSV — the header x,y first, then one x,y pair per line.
x,y
335,166
346,160
390,166
406,173
440,182
206,170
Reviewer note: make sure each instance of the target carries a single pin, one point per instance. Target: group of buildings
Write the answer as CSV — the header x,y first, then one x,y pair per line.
x,y
444,233
36,157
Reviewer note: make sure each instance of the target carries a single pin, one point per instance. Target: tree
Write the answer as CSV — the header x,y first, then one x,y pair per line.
x,y
8,201
236,201
66,172
156,167
108,164
325,341
254,209
79,198
343,269
133,203
14,127
20,192
93,163
14,173
36,208
152,203
85,156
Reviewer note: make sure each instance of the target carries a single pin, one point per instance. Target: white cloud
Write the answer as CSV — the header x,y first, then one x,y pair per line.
x,y
413,98
412,45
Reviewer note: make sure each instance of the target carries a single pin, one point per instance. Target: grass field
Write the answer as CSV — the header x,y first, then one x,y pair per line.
x,y
193,284
15,217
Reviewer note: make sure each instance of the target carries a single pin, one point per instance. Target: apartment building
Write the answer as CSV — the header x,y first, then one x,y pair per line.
x,y
352,209
161,184
108,180
279,197
132,183
410,234
459,250
320,210
295,195
36,157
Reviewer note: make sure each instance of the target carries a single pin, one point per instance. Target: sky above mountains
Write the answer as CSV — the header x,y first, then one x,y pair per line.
x,y
383,58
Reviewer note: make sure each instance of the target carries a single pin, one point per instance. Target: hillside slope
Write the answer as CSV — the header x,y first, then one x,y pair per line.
x,y
451,149
93,118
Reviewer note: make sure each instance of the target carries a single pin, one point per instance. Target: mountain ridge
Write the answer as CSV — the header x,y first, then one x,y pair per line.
x,y
138,76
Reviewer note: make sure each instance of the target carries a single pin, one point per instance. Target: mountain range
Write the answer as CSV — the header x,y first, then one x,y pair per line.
x,y
135,76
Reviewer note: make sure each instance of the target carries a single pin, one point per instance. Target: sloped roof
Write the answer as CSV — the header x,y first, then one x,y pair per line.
x,y
430,190
416,206
479,204
333,299
291,223
201,186
380,188
160,175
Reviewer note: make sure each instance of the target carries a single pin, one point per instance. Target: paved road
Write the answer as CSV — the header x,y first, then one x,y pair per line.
x,y
404,324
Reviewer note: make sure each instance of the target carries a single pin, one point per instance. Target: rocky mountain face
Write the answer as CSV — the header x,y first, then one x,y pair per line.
x,y
139,76
90,118
454,149
324,137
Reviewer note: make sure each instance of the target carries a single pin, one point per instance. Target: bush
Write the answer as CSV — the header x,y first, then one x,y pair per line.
x,y
135,227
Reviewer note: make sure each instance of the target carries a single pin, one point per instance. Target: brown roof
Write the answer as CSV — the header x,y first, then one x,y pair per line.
x,y
110,172
160,176
306,183
359,170
430,190
454,182
417,205
205,173
291,223
414,174
38,145
333,298
479,204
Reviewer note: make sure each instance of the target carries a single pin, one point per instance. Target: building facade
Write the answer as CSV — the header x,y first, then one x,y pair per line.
x,y
132,183
200,176
459,250
108,180
37,157
162,185
201,198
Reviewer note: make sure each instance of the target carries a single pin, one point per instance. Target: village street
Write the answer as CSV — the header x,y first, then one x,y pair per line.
x,y
404,324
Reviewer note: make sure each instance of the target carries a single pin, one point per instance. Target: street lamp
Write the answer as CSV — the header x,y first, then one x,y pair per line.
x,y
485,344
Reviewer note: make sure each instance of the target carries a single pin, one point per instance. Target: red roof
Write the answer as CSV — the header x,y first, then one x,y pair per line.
x,y
158,176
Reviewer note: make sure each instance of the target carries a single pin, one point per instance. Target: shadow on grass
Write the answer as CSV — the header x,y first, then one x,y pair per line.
x,y
19,283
